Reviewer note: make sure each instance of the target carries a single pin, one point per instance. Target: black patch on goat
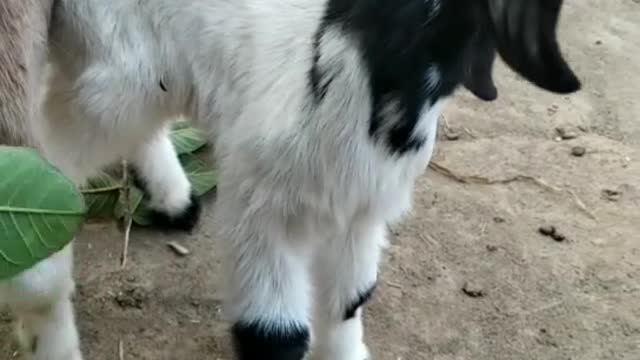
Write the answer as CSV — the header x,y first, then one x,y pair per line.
x,y
318,78
363,298
400,40
264,342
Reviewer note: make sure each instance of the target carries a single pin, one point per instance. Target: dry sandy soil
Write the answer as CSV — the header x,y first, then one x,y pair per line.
x,y
468,275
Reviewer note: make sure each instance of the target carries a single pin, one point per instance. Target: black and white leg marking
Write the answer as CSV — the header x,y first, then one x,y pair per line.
x,y
358,302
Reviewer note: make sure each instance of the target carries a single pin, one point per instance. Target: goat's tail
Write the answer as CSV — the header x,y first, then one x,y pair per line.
x,y
24,26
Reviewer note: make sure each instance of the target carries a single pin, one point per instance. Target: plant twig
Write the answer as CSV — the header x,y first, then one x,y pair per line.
x,y
120,350
475,179
101,190
128,217
393,285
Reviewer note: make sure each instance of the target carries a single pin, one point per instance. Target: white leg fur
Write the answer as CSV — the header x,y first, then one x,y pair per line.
x,y
166,181
347,271
266,271
340,340
41,300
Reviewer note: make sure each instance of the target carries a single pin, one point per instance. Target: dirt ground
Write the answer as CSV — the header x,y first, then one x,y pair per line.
x,y
468,275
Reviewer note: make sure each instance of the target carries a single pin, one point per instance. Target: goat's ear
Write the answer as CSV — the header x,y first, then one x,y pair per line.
x,y
526,39
479,70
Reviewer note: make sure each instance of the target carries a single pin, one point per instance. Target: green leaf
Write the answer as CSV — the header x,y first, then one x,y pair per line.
x,y
40,210
142,215
134,200
187,139
202,177
101,195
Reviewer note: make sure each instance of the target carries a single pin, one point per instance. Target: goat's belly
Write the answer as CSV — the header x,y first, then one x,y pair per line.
x,y
328,192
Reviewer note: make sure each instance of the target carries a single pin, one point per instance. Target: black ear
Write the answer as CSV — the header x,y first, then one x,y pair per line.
x,y
479,68
526,39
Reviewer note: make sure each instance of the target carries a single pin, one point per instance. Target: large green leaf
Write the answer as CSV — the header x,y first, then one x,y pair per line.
x,y
203,178
135,198
101,195
40,210
142,214
187,139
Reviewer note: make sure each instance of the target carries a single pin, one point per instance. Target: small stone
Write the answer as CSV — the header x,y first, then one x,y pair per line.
x,y
452,135
492,248
611,195
499,220
578,151
566,134
473,290
547,230
178,249
598,42
558,237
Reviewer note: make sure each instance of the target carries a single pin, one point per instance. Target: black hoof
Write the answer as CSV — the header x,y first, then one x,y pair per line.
x,y
254,342
186,220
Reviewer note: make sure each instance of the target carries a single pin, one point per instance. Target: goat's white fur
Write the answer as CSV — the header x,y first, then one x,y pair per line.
x,y
304,195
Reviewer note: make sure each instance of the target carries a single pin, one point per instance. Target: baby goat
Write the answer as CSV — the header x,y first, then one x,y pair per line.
x,y
323,114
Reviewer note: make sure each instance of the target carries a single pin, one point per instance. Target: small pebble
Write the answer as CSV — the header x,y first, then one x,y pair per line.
x,y
566,134
611,195
473,290
578,151
498,220
558,237
452,135
552,232
598,42
178,249
492,248
547,230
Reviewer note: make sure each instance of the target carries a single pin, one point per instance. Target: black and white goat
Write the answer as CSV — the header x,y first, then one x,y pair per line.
x,y
323,114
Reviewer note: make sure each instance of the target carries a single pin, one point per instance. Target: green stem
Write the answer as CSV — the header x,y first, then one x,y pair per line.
x,y
101,190
10,209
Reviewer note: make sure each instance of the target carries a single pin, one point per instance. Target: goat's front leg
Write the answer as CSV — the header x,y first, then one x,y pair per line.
x,y
346,275
172,203
41,300
267,284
